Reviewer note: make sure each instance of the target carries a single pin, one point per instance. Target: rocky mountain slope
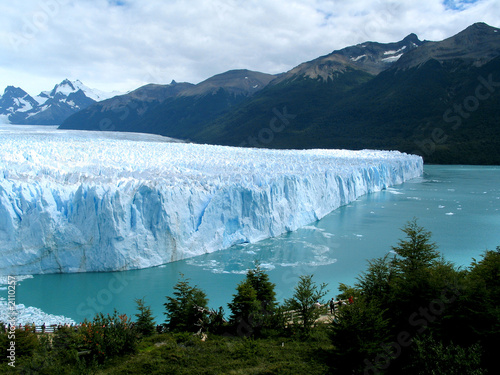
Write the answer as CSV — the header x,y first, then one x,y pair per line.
x,y
178,109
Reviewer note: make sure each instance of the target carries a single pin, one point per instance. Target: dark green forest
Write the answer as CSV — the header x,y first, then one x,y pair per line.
x,y
447,112
411,312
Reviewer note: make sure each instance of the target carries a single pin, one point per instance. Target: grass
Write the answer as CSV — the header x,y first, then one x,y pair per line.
x,y
187,354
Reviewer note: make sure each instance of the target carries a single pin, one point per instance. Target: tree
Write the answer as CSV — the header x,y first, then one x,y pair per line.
x,y
416,252
244,308
483,301
307,293
358,331
375,282
391,297
413,270
253,306
187,309
145,323
259,280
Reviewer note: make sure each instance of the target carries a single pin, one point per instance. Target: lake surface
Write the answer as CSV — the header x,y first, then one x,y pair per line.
x,y
459,204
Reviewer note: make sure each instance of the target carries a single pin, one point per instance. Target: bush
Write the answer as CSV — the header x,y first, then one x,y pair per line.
x,y
108,336
431,357
26,343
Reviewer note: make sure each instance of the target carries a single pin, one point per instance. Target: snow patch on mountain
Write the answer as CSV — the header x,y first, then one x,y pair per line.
x,y
357,58
392,58
396,52
70,203
22,105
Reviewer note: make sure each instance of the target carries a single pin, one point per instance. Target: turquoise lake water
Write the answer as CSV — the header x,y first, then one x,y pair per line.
x,y
460,205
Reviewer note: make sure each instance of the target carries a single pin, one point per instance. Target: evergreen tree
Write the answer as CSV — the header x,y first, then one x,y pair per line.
x,y
259,280
414,294
376,281
358,331
416,252
145,323
413,268
244,308
254,304
482,300
307,293
187,309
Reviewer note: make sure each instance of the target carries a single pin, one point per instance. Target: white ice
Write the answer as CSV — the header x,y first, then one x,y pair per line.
x,y
28,315
82,201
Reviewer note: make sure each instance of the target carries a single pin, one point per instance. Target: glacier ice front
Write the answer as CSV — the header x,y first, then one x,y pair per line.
x,y
70,202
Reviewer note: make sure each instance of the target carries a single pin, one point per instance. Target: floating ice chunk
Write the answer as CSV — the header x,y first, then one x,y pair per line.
x,y
29,315
395,191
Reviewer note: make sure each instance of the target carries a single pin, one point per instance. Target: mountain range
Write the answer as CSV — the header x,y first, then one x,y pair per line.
x,y
437,99
49,107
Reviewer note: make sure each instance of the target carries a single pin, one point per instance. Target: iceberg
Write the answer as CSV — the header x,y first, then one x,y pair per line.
x,y
85,201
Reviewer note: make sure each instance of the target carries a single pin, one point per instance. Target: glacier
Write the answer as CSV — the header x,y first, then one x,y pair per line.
x,y
75,201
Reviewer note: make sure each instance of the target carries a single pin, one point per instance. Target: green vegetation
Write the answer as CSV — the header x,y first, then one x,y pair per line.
x,y
187,309
253,309
145,324
409,312
303,302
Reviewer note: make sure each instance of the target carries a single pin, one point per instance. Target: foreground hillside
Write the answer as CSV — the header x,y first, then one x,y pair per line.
x,y
410,312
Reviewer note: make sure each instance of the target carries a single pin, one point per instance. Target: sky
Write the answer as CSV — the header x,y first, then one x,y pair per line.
x,y
120,45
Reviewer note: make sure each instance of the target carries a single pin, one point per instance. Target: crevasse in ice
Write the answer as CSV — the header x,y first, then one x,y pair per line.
x,y
72,203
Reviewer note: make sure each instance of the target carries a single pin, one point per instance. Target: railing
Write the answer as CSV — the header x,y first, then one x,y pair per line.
x,y
42,328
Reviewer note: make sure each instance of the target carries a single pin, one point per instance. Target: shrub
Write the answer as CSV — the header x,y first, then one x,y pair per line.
x,y
108,336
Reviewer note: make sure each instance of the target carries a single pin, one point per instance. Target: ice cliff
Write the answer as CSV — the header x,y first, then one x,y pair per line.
x,y
75,203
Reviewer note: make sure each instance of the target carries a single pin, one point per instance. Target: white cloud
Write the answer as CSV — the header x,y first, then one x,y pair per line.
x,y
120,45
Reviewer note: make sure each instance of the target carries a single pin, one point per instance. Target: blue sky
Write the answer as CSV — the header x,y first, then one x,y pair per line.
x,y
123,44
458,4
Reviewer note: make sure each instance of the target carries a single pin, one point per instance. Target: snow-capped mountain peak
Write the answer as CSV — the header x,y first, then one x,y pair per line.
x,y
65,88
68,87
15,100
49,107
